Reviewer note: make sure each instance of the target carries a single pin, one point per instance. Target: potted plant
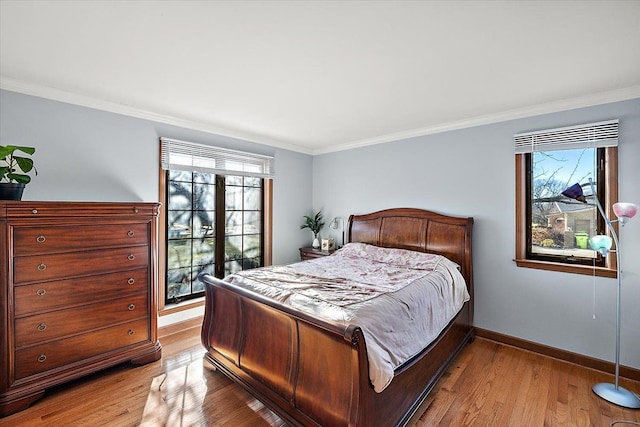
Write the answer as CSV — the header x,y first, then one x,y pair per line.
x,y
314,224
12,183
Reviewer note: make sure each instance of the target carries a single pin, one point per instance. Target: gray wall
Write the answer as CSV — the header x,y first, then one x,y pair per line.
x,y
471,172
84,154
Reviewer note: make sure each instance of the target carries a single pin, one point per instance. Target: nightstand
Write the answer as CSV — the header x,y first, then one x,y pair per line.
x,y
311,253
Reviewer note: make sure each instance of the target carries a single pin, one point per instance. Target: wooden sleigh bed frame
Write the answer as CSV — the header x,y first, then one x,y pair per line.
x,y
315,373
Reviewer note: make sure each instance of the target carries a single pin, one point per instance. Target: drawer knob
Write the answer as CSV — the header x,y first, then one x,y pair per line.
x,y
42,358
131,281
135,210
41,292
130,233
42,267
131,257
35,211
131,307
40,239
42,326
131,332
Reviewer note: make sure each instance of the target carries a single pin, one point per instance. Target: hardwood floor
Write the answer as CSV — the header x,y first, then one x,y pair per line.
x,y
489,384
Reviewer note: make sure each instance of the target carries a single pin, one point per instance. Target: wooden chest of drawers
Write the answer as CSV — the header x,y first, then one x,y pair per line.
x,y
78,293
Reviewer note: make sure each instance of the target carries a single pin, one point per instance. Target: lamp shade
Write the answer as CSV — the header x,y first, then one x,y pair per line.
x,y
625,211
601,243
574,192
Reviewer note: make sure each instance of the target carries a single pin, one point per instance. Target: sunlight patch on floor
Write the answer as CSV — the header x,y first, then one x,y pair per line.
x,y
176,398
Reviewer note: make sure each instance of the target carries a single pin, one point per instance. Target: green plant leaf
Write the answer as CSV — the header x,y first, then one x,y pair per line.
x,y
24,163
315,224
27,150
13,163
22,179
6,151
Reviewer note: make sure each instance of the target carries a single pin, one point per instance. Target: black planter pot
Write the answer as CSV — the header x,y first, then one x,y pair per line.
x,y
11,191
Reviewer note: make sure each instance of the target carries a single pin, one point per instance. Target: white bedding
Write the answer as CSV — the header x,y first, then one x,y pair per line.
x,y
400,299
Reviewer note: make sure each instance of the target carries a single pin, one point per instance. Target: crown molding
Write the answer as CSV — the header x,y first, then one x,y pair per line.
x,y
623,94
54,94
26,88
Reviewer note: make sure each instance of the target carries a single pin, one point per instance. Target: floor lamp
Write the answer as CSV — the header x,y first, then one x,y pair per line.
x,y
624,211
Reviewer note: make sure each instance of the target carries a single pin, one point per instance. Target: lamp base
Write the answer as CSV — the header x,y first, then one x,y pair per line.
x,y
620,396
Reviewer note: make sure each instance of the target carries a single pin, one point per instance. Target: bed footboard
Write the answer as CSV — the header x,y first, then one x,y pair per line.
x,y
307,370
311,372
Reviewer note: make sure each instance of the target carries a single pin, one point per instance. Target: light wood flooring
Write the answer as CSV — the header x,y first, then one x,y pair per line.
x,y
489,384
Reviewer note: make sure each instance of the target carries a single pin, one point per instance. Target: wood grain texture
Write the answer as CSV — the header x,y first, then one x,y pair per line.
x,y
310,253
78,288
316,373
489,384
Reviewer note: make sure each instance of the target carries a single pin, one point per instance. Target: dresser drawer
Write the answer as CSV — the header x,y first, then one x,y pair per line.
x,y
56,324
43,240
40,358
38,268
48,296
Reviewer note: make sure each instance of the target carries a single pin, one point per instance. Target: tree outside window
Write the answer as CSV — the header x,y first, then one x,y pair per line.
x,y
560,227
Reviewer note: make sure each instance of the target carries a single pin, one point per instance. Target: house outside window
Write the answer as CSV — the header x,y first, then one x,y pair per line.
x,y
553,231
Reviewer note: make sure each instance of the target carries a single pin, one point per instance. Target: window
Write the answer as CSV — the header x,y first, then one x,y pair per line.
x,y
552,231
190,245
216,218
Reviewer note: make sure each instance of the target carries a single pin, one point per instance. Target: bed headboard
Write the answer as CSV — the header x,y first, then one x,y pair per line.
x,y
417,230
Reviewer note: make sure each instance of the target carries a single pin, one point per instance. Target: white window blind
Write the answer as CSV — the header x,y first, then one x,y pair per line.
x,y
193,157
590,135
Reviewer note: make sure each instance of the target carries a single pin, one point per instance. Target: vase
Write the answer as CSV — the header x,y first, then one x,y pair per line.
x,y
316,243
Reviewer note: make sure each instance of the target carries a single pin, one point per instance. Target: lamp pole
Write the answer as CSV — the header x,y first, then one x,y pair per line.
x,y
613,392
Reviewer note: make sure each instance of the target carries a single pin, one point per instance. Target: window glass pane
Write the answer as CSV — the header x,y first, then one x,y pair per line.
x,y
204,197
252,223
561,226
203,252
204,178
233,247
179,195
233,221
178,224
178,282
180,176
203,223
250,181
251,246
179,254
252,198
233,198
233,180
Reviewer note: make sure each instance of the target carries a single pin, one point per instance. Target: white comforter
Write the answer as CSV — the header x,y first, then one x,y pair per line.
x,y
400,299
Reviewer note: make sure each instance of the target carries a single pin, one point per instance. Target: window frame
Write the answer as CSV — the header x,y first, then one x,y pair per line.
x,y
609,173
267,244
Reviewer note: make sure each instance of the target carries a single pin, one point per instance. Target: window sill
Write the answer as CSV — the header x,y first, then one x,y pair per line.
x,y
181,306
567,268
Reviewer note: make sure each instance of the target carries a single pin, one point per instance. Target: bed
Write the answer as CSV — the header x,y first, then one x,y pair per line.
x,y
315,372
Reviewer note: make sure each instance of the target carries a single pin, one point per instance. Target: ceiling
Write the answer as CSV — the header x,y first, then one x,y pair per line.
x,y
323,76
